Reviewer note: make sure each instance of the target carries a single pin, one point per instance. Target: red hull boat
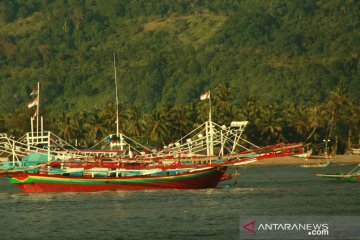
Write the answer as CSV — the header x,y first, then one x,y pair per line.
x,y
206,178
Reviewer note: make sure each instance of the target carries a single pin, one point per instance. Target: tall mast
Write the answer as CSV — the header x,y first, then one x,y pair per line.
x,y
117,100
210,106
38,110
211,131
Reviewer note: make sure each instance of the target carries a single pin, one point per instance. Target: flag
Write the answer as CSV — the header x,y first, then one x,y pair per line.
x,y
205,95
34,91
33,102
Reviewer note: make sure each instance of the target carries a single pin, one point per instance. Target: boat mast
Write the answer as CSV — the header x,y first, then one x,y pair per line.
x,y
210,132
35,135
117,100
118,134
38,110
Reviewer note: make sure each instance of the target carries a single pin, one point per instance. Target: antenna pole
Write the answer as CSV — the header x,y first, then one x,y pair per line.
x,y
117,100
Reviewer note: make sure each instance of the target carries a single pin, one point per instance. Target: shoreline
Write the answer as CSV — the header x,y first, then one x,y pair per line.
x,y
313,160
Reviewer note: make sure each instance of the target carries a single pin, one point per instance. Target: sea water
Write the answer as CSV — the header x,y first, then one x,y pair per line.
x,y
177,214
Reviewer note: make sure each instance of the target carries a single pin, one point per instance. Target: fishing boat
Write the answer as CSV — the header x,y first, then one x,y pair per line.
x,y
317,162
197,161
39,162
352,176
192,179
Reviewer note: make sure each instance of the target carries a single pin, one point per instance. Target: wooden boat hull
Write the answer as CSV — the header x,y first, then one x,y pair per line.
x,y
315,165
342,177
207,178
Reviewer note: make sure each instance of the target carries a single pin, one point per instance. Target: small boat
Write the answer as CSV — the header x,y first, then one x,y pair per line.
x,y
316,165
305,154
196,179
352,176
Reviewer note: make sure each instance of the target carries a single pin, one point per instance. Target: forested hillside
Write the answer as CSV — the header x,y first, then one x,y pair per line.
x,y
271,54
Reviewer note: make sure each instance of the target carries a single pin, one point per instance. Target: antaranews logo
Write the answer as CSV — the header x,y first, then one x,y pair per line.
x,y
283,228
312,229
250,227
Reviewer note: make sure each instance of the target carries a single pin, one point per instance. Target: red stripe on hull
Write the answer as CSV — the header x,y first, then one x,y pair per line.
x,y
204,181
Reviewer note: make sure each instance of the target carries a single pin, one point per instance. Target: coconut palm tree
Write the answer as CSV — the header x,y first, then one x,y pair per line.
x,y
134,122
108,114
181,121
80,127
336,101
316,119
335,104
158,127
66,127
352,121
94,123
249,111
296,118
222,104
202,111
269,123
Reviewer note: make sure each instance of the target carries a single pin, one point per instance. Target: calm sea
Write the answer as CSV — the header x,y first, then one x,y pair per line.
x,y
176,214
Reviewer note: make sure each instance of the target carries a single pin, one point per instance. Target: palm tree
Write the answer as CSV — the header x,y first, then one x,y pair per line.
x,y
80,127
181,121
202,111
158,127
108,113
95,126
352,120
270,124
222,104
296,118
66,127
316,118
336,102
249,110
135,123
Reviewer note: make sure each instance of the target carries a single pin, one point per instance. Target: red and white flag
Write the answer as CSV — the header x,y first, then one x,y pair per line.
x,y
34,91
33,102
205,95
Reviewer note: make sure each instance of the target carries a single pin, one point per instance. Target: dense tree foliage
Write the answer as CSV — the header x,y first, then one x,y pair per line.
x,y
289,67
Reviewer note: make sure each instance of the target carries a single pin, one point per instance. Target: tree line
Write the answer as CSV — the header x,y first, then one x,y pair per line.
x,y
337,120
281,60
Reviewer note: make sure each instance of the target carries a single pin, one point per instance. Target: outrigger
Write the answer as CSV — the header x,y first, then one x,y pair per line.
x,y
352,176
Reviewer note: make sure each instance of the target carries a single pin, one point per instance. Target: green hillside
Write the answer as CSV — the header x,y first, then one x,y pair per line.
x,y
276,53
